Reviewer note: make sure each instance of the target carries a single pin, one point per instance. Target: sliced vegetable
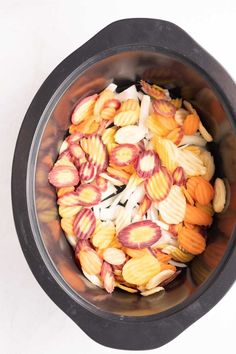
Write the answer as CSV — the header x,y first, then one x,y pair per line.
x,y
147,164
159,184
84,109
140,270
139,235
63,176
131,134
84,224
124,154
88,195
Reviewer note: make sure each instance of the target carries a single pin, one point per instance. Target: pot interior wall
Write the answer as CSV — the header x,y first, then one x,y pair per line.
x,y
184,81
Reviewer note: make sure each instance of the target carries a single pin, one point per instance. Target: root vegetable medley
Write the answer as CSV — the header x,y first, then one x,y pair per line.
x,y
135,189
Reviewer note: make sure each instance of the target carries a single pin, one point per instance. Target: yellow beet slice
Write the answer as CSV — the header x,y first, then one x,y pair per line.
x,y
139,271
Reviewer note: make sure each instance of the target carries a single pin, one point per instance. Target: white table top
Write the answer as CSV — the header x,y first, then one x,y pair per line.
x,y
35,36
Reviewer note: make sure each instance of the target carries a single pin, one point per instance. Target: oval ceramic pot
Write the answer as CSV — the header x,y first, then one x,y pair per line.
x,y
124,52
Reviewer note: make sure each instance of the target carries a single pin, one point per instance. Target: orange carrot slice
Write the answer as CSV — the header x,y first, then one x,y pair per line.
x,y
197,216
192,241
191,124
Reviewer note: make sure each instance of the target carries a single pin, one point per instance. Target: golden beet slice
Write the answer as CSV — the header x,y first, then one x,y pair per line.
x,y
139,271
88,195
158,185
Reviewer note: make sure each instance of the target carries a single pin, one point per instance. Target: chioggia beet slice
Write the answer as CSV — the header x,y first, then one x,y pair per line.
x,y
88,195
101,183
87,172
147,164
140,234
89,260
144,205
179,176
69,199
112,103
114,256
164,108
63,176
153,90
124,154
84,109
97,152
77,152
84,224
159,184
108,277
102,99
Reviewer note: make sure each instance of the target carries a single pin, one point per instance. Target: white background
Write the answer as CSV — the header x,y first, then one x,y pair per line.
x,y
34,37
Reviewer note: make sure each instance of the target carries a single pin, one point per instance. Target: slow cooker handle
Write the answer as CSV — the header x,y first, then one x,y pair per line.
x,y
151,33
157,34
147,32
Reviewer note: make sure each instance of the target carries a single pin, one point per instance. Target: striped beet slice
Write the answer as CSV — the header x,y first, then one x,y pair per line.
x,y
87,172
164,108
63,176
84,109
147,164
88,195
84,224
124,154
140,234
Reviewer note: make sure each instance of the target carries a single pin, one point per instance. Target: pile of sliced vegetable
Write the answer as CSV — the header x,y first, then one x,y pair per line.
x,y
135,187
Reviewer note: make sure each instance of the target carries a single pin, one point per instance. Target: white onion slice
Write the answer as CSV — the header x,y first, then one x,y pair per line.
x,y
115,181
193,140
165,240
177,264
144,111
96,211
112,87
130,93
109,213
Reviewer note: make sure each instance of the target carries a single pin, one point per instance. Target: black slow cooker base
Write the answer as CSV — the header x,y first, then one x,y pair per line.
x,y
162,54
